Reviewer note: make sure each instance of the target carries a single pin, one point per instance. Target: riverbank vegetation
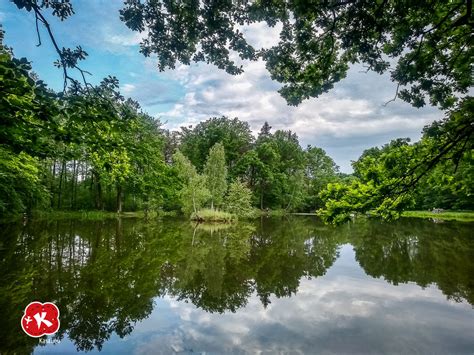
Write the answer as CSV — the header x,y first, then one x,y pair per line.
x,y
89,148
463,216
98,151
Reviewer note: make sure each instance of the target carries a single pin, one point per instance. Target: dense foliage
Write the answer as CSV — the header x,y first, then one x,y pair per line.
x,y
90,148
97,150
75,151
319,40
433,173
426,46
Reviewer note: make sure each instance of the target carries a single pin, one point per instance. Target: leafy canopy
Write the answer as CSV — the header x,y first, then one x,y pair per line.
x,y
429,42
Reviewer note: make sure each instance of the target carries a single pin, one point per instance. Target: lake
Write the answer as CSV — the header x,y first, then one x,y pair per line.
x,y
290,285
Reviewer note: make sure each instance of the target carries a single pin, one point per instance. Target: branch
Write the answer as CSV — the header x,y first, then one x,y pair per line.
x,y
394,98
464,19
37,31
39,17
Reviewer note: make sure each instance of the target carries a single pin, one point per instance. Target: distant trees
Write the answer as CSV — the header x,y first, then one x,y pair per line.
x,y
234,135
284,176
396,177
98,150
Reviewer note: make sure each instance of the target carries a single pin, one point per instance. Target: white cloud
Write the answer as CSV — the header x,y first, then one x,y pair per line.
x,y
348,119
127,89
127,39
353,109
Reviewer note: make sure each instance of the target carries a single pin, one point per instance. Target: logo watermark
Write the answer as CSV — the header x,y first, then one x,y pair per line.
x,y
40,319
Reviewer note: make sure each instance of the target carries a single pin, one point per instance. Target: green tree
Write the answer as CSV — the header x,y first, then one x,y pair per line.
x,y
426,47
215,172
194,192
233,134
449,185
319,171
239,199
387,177
318,42
20,183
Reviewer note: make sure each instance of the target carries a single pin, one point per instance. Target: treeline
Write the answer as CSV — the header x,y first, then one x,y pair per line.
x,y
91,149
437,172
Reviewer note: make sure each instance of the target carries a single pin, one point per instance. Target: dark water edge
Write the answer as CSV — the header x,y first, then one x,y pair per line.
x,y
286,284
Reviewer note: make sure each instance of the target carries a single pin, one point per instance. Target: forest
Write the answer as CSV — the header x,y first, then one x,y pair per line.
x,y
90,148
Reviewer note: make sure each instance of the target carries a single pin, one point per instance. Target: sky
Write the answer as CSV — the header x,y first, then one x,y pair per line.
x,y
345,121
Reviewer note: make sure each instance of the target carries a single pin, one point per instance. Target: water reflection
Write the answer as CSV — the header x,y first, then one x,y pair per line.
x,y
108,277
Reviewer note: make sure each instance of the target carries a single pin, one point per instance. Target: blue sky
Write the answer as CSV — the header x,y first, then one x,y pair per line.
x,y
344,122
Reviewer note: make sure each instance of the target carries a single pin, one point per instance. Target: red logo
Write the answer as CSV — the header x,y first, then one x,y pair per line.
x,y
40,319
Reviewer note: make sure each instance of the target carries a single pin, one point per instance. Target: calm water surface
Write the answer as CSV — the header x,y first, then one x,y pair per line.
x,y
275,285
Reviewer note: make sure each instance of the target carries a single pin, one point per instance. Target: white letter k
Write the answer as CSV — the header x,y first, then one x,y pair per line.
x,y
40,319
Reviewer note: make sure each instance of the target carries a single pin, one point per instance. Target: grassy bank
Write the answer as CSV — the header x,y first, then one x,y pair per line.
x,y
465,216
84,215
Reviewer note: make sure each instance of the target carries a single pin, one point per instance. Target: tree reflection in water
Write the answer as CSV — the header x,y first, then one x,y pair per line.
x,y
104,275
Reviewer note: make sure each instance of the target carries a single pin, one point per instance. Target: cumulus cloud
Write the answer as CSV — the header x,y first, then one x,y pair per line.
x,y
355,108
344,121
128,39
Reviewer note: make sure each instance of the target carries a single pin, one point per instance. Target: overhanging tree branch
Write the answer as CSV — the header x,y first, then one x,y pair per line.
x,y
64,62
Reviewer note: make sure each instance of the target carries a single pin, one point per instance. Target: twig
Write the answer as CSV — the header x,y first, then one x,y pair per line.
x,y
394,98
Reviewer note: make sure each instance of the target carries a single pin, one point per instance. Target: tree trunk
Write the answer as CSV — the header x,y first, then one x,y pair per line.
x,y
63,168
52,183
98,194
73,183
119,198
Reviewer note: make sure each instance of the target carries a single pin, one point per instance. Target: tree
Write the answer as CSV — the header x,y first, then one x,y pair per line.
x,y
194,192
448,186
264,163
387,177
319,171
20,183
215,172
265,132
426,47
233,134
239,199
428,44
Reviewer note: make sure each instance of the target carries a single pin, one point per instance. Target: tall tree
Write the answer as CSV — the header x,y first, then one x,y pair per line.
x,y
215,171
320,170
239,199
194,192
